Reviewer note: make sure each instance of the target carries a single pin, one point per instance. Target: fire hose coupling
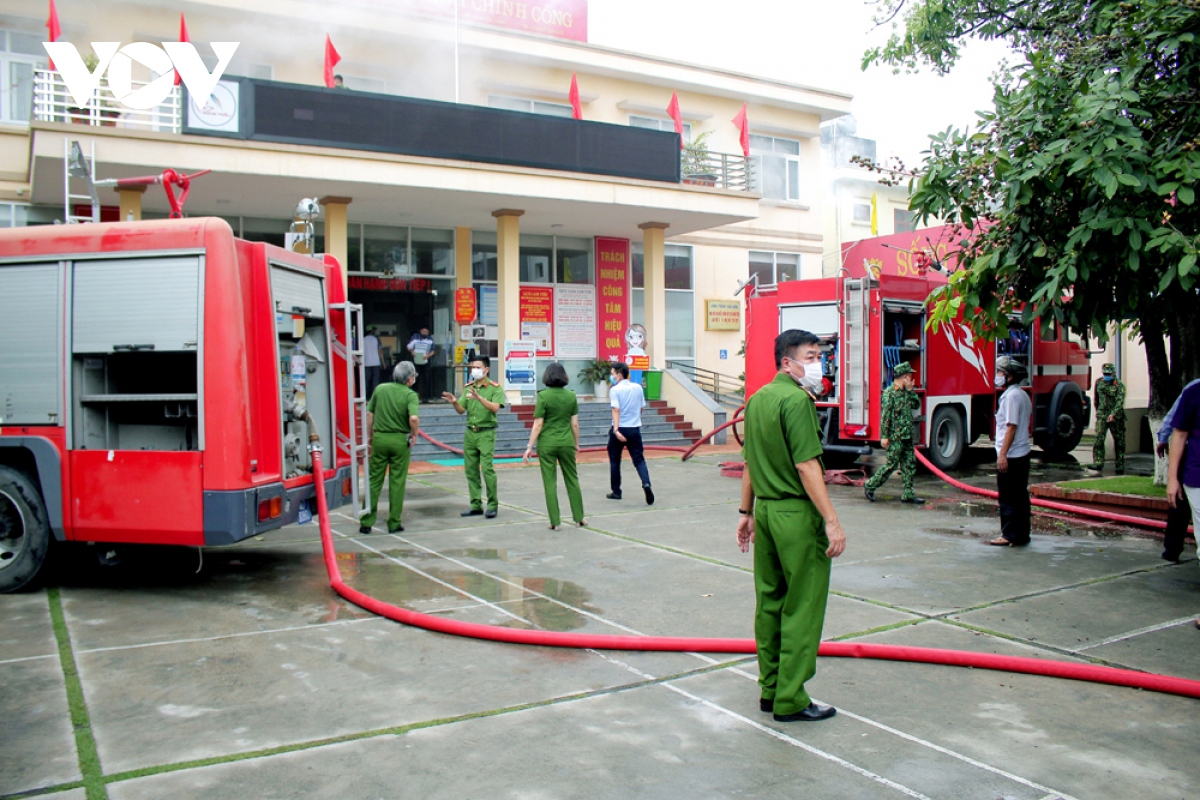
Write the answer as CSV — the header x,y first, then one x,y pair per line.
x,y
299,412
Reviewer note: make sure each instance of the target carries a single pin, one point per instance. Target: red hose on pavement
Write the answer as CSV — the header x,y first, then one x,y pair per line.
x,y
1126,519
459,452
924,655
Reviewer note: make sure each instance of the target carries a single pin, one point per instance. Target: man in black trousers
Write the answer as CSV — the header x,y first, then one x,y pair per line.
x,y
627,400
1179,516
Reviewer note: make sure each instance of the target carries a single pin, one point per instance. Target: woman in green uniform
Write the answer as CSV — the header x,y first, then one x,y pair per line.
x,y
556,433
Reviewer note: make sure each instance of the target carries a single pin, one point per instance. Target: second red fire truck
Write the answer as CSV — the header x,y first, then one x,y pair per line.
x,y
872,317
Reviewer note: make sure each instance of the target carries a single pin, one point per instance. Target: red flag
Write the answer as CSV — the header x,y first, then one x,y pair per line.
x,y
183,37
744,126
675,114
53,26
576,106
331,60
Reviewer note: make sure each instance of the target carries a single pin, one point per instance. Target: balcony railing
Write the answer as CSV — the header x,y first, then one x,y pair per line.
x,y
52,102
725,389
726,170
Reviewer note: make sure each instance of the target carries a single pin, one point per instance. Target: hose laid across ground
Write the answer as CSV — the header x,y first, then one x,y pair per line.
x,y
924,655
458,451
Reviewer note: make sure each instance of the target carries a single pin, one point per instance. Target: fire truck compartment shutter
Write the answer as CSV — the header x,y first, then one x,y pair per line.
x,y
819,318
297,293
136,304
30,377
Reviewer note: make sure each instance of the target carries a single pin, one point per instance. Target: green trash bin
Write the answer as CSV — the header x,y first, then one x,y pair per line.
x,y
653,384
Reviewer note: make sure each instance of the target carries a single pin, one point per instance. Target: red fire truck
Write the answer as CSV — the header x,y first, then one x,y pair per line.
x,y
160,383
871,317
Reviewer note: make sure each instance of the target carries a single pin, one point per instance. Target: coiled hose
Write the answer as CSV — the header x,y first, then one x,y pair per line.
x,y
924,655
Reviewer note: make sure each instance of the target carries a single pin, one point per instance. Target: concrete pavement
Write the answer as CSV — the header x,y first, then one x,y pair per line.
x,y
250,678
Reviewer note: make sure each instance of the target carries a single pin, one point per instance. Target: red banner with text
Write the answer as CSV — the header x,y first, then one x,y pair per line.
x,y
613,296
464,305
537,318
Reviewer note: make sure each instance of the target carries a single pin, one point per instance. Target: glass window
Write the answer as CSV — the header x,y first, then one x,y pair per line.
x,y
862,213
529,106
433,251
677,259
385,250
906,221
772,268
787,267
261,229
681,314
776,167
660,124
26,44
536,253
484,261
573,259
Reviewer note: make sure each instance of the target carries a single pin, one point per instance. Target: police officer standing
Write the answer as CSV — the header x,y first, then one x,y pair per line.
x,y
1109,399
392,426
480,401
786,513
896,434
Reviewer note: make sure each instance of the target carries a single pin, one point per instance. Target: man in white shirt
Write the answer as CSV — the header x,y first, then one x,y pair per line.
x,y
627,400
422,348
372,360
1012,454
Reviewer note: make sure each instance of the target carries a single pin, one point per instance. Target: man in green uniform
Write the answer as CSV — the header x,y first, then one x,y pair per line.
x,y
480,401
392,425
896,434
786,513
1109,399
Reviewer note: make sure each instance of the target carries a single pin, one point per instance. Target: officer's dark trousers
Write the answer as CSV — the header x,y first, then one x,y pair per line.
x,y
373,375
1014,500
1178,519
633,441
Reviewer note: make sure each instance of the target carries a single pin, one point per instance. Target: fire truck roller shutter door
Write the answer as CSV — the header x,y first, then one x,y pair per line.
x,y
136,304
30,344
298,293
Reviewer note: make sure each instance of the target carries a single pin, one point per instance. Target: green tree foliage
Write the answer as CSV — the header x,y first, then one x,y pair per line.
x,y
1082,178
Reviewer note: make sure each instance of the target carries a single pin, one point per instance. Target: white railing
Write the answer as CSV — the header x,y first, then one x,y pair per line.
x,y
52,102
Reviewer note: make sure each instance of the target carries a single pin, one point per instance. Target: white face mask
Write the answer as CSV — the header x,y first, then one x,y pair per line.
x,y
811,378
999,380
476,373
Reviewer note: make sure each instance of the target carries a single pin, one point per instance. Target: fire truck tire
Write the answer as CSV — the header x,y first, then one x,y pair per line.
x,y
1068,426
24,531
948,439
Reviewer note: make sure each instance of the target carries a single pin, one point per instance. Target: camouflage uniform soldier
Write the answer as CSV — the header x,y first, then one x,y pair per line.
x,y
1109,398
896,434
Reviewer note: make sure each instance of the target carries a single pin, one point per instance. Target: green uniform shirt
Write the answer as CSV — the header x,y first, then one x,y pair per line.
x,y
392,404
1110,399
781,432
477,415
895,415
555,407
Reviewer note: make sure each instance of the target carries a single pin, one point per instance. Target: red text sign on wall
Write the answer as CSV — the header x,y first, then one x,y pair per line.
x,y
464,305
390,284
612,296
562,19
537,318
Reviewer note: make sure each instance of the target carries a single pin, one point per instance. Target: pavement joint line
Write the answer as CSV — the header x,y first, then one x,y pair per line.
x,y
489,525
43,791
1050,648
400,730
240,634
1139,632
904,623
85,742
426,575
840,563
26,658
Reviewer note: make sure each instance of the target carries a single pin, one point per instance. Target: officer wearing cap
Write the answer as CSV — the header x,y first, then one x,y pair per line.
x,y
1013,451
896,434
1109,399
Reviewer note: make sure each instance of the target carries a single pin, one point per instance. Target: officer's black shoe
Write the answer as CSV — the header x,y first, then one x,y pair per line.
x,y
649,494
397,529
917,501
766,705
869,492
813,713
491,513
1172,557
613,496
472,512
364,529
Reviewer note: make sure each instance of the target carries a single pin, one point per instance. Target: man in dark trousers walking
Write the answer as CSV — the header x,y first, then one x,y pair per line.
x,y
896,435
627,400
788,517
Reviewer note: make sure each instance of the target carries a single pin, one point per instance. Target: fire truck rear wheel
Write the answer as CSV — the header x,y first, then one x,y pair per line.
x,y
947,439
1068,426
24,530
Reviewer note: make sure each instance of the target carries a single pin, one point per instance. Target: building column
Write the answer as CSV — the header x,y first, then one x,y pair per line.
x,y
508,282
655,297
462,280
131,203
336,233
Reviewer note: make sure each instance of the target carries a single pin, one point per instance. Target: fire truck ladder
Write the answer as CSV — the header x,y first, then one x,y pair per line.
x,y
855,299
76,166
356,381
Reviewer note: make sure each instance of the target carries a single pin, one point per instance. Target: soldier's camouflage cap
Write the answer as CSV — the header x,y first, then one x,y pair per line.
x,y
903,368
1109,369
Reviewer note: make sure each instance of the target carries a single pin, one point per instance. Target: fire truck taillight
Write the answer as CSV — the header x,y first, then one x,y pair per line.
x,y
270,509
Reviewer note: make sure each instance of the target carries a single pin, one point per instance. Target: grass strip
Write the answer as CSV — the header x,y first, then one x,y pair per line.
x,y
1140,485
400,730
85,742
